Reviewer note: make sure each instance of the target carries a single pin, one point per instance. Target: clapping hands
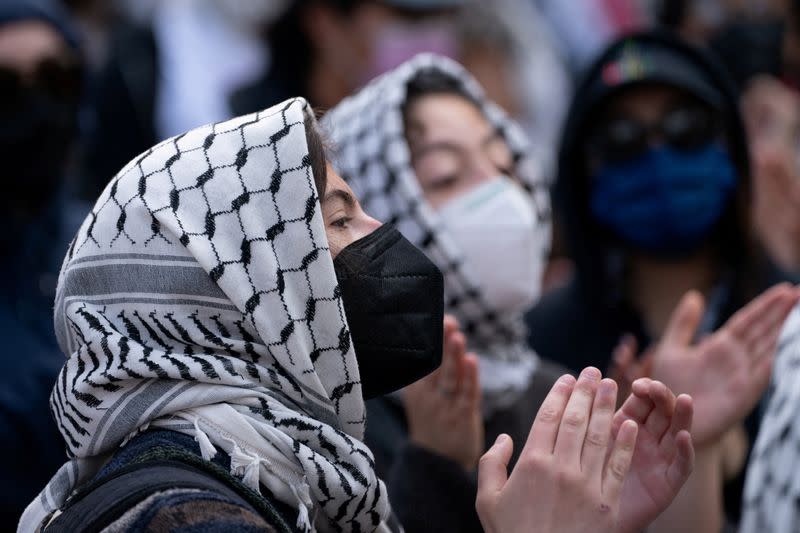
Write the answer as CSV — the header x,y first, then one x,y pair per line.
x,y
584,468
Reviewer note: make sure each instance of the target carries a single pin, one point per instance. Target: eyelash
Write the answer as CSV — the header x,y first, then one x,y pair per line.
x,y
444,183
341,222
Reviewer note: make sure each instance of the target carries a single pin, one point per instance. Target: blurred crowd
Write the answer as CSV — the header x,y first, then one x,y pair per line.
x,y
666,133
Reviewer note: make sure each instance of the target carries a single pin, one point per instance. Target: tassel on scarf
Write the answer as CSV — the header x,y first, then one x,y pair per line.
x,y
303,495
246,467
207,450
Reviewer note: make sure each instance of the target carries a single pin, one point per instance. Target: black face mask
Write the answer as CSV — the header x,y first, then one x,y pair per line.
x,y
394,301
37,125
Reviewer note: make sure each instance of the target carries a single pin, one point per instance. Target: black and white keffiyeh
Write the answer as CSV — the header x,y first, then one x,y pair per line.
x,y
200,296
373,156
772,487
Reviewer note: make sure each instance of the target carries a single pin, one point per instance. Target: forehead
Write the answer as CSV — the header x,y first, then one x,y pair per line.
x,y
449,117
334,181
645,101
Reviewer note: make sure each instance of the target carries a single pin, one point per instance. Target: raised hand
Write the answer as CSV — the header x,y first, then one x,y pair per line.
x,y
443,409
566,479
663,457
727,372
626,367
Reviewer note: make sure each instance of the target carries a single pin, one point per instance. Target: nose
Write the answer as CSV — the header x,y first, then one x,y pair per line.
x,y
371,223
483,169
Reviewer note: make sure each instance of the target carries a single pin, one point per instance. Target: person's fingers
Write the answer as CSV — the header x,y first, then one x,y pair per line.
x,y
619,461
637,406
681,421
646,361
761,374
455,346
685,320
598,435
575,421
624,354
434,380
659,419
493,470
742,322
451,324
542,437
763,341
681,467
775,314
470,393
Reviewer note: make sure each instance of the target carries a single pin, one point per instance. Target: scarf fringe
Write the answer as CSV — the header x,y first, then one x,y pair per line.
x,y
247,466
207,450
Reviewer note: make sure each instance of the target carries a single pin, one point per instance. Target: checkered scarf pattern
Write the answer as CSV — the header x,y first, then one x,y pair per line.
x,y
772,488
199,295
374,158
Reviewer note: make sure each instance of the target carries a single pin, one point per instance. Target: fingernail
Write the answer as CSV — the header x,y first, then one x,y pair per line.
x,y
501,439
607,386
591,373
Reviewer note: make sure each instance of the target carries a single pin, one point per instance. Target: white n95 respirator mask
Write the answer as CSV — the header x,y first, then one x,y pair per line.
x,y
494,227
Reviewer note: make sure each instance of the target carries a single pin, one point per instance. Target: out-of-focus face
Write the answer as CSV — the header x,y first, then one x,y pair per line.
x,y
40,85
373,38
453,147
24,45
345,221
643,117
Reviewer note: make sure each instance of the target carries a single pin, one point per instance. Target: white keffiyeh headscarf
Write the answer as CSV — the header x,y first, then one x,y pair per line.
x,y
772,488
374,157
200,296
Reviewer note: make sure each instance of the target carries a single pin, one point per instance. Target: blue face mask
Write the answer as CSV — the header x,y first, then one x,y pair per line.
x,y
665,201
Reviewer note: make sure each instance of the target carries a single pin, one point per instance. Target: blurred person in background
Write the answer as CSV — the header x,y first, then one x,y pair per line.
x,y
425,150
174,66
757,47
40,83
95,20
700,21
726,373
772,115
654,190
694,20
509,48
326,49
584,28
507,45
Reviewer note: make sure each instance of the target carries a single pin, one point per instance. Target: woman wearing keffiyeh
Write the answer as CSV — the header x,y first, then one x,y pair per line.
x,y
201,297
423,148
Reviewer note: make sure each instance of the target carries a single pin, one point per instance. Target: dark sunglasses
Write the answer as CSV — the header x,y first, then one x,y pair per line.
x,y
53,78
621,138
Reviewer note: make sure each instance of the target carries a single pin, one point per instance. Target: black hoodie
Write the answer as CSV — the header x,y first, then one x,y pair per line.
x,y
580,324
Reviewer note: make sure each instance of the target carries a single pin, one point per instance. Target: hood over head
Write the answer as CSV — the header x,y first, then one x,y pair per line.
x,y
645,59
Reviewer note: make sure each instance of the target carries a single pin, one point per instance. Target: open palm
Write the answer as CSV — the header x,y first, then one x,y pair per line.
x,y
663,457
727,372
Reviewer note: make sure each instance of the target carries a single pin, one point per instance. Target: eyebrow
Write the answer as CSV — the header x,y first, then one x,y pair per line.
x,y
340,194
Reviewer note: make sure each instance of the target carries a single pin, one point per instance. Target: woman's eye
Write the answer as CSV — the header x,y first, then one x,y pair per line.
x,y
506,170
443,183
341,222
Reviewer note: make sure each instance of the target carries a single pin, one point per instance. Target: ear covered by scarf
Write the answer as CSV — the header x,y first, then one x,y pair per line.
x,y
200,296
374,157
